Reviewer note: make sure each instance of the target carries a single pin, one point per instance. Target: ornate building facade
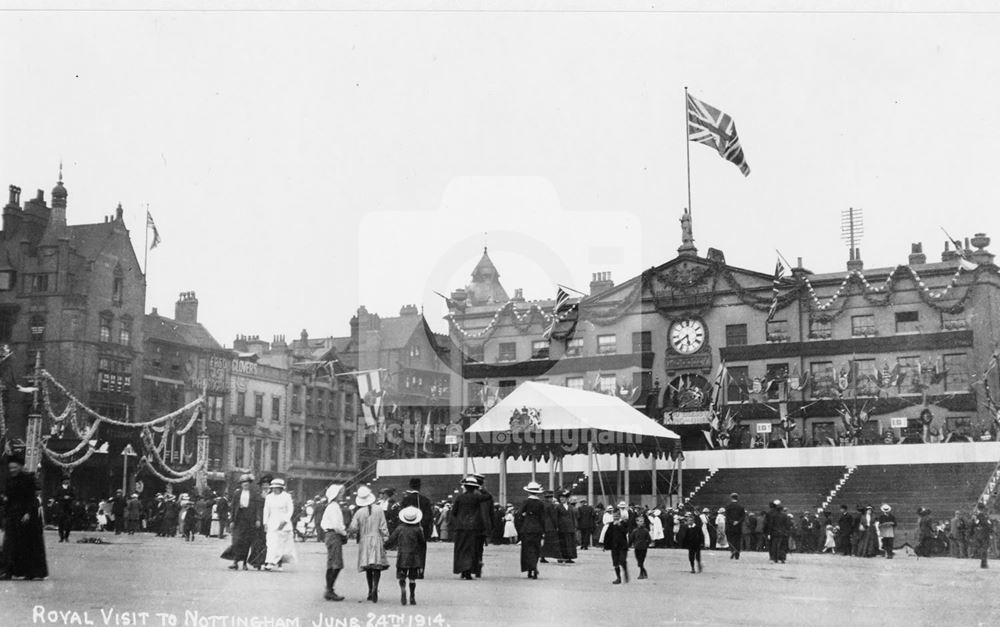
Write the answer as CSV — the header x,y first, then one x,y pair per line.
x,y
855,356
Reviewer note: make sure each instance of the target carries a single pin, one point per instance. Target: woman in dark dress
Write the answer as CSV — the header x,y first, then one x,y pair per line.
x,y
23,552
258,546
530,528
246,521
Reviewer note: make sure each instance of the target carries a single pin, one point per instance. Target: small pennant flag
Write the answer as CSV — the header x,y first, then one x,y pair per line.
x,y
710,126
779,271
156,233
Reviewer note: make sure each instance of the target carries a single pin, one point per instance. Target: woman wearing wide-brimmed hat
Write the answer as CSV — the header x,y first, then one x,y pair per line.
x,y
469,520
278,510
532,527
372,530
411,545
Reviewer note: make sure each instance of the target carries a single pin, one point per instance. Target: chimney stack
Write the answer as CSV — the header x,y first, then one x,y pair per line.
x,y
601,282
917,255
186,309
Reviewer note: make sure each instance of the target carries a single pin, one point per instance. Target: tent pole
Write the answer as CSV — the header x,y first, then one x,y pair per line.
x,y
627,491
561,484
653,457
680,480
503,477
534,468
590,473
618,474
552,472
465,461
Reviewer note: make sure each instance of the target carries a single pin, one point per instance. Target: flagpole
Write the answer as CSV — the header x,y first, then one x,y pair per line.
x,y
687,144
145,252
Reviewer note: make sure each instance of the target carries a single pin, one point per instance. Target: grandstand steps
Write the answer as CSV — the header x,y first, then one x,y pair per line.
x,y
840,484
691,495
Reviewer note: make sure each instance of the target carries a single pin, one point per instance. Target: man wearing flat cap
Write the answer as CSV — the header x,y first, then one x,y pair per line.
x,y
735,515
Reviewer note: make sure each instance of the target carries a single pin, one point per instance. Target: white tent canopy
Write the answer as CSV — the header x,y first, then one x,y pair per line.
x,y
567,420
568,409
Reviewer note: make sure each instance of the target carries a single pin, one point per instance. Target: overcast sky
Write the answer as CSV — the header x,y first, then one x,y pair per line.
x,y
300,163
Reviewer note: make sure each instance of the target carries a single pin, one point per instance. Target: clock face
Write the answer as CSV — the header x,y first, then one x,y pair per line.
x,y
687,336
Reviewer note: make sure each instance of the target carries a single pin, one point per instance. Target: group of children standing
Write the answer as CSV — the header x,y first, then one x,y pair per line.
x,y
625,530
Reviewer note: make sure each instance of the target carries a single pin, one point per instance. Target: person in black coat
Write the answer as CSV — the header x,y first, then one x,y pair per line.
x,y
845,525
567,529
585,523
245,517
777,527
616,540
490,513
411,544
735,516
640,543
23,552
65,497
531,527
413,498
118,511
468,519
691,537
550,535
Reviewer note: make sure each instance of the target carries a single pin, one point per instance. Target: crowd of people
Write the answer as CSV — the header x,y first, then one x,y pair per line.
x,y
548,526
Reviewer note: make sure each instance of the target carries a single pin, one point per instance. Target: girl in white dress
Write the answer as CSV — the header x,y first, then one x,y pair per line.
x,y
606,520
509,530
278,509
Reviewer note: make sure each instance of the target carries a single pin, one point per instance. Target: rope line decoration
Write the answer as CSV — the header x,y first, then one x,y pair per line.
x,y
120,423
187,476
63,464
879,295
150,446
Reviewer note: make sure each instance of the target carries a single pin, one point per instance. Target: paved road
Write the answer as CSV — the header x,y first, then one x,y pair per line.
x,y
114,584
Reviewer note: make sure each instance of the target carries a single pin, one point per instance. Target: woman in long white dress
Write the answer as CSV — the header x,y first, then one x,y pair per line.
x,y
278,510
720,524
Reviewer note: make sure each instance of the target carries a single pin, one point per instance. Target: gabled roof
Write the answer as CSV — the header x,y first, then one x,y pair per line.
x,y
157,327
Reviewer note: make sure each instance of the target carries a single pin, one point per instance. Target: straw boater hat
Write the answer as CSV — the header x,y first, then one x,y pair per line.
x,y
656,512
278,483
410,515
364,497
609,509
470,481
533,487
622,504
246,477
333,491
885,508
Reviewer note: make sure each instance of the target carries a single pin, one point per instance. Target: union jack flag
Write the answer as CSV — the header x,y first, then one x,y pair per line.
x,y
707,125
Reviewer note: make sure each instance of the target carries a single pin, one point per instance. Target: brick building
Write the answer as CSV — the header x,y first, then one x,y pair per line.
x,y
415,365
181,359
74,294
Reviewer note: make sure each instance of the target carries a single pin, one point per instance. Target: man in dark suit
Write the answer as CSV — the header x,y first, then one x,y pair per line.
x,y
550,524
845,525
567,529
489,507
118,511
735,515
413,498
585,523
777,526
64,499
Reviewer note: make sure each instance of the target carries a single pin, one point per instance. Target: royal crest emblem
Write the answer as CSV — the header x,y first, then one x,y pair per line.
x,y
526,419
